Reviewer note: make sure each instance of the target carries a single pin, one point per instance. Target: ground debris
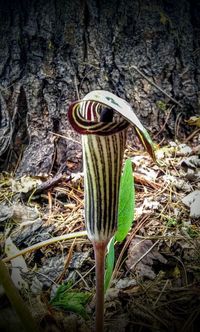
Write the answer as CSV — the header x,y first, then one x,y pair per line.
x,y
193,202
142,254
155,288
18,212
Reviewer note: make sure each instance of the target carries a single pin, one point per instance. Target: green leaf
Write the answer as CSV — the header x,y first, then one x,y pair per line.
x,y
110,258
125,218
126,202
71,300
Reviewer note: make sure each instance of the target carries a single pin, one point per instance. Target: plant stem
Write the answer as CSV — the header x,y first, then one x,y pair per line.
x,y
100,252
15,299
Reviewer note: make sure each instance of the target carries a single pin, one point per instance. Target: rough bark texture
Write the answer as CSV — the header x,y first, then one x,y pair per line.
x,y
52,52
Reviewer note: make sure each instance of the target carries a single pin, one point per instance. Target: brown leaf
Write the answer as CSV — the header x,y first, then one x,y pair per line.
x,y
141,258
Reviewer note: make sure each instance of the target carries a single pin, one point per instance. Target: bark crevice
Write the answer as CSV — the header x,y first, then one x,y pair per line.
x,y
53,52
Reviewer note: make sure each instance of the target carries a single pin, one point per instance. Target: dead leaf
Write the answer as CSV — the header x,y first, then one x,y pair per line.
x,y
193,121
191,162
177,182
24,184
140,263
193,201
18,265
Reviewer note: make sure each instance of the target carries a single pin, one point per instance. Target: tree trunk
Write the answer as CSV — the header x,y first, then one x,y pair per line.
x,y
53,52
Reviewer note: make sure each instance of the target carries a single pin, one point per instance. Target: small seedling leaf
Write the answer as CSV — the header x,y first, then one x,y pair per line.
x,y
71,300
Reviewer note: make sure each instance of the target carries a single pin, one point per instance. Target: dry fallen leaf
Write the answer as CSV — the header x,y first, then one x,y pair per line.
x,y
18,265
24,184
141,258
193,121
192,200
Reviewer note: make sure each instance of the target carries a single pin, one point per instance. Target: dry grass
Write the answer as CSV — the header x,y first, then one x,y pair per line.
x,y
169,302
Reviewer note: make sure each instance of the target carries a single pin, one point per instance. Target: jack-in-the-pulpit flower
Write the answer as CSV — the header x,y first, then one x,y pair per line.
x,y
103,141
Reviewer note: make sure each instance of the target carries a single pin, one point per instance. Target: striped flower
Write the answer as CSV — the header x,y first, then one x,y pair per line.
x,y
104,139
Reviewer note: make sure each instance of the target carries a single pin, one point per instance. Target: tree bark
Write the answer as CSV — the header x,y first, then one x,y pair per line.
x,y
53,52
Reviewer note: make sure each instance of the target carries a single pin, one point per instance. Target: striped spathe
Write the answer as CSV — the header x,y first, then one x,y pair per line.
x,y
102,159
103,150
102,119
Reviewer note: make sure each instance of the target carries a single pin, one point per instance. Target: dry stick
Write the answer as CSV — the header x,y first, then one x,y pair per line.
x,y
166,120
65,137
45,243
155,85
135,230
192,135
100,252
177,123
67,262
161,293
145,254
15,299
82,279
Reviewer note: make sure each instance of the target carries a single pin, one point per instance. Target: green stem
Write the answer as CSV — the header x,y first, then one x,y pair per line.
x,y
15,299
100,252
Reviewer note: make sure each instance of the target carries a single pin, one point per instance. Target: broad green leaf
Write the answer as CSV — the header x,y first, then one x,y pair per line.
x,y
126,202
110,258
71,300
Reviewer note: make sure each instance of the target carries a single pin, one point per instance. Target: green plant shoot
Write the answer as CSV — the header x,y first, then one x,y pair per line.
x,y
71,300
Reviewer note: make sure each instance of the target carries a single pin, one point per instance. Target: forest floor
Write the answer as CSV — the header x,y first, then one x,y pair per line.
x,y
156,281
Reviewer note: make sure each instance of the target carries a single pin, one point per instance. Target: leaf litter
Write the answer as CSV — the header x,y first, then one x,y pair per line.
x,y
155,286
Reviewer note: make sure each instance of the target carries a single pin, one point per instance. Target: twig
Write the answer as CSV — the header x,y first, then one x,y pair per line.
x,y
65,137
48,184
140,179
4,88
192,135
46,277
162,291
76,87
82,278
67,261
177,123
163,126
45,243
135,230
191,319
155,85
146,253
88,272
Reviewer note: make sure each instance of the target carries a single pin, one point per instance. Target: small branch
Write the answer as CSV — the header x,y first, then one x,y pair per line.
x,y
45,243
161,293
128,240
145,254
192,135
48,184
163,126
154,84
15,299
65,137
